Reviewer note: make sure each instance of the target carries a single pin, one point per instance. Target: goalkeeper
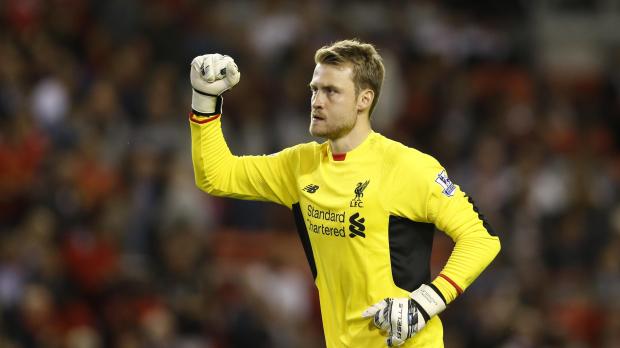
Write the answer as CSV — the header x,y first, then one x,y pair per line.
x,y
365,206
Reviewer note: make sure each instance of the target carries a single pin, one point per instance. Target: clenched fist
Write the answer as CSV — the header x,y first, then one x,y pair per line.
x,y
210,76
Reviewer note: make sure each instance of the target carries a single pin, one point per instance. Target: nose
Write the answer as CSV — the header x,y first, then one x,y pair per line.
x,y
317,101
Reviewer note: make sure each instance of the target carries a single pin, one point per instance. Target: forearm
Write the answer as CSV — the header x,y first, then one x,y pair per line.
x,y
473,252
212,160
218,172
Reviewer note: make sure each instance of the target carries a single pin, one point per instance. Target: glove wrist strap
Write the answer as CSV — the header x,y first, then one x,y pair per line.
x,y
204,104
428,300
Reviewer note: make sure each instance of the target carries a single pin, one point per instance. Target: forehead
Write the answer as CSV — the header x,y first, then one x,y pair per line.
x,y
340,75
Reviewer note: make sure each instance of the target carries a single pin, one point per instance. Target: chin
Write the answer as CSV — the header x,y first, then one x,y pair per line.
x,y
317,132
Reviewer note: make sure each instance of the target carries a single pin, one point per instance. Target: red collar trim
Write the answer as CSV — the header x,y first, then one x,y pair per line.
x,y
339,156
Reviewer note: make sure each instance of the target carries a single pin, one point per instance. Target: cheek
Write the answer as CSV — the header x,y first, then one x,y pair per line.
x,y
345,102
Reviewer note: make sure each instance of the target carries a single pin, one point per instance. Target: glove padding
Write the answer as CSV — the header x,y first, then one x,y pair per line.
x,y
402,318
210,76
399,318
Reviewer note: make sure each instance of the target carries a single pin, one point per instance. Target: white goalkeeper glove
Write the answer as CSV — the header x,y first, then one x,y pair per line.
x,y
211,75
401,318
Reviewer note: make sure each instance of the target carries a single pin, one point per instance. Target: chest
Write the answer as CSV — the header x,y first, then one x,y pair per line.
x,y
343,186
343,201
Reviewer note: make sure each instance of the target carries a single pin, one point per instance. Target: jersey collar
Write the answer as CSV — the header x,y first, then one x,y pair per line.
x,y
348,156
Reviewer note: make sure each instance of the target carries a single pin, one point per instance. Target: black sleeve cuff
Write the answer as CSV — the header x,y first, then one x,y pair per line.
x,y
438,292
218,106
422,311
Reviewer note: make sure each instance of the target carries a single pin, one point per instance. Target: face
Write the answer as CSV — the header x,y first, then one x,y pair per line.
x,y
334,105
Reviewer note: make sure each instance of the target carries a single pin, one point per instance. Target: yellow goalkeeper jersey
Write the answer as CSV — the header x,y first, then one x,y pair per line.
x,y
366,221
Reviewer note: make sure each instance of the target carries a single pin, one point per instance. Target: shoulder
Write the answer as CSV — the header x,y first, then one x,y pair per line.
x,y
301,148
300,151
305,149
312,146
402,156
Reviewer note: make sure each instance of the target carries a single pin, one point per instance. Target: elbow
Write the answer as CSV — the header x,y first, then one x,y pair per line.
x,y
210,189
204,185
489,250
490,247
205,189
487,246
496,247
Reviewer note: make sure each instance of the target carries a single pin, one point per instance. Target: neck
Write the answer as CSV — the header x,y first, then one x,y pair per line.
x,y
351,140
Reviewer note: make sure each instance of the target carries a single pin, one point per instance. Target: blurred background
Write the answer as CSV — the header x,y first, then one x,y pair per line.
x,y
106,242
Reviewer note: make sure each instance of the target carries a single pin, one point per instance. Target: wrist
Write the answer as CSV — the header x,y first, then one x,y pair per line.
x,y
204,104
429,300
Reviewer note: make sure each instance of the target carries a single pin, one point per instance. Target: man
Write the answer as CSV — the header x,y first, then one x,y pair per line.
x,y
365,206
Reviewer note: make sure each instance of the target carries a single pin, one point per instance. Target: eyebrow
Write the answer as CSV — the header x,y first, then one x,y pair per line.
x,y
312,85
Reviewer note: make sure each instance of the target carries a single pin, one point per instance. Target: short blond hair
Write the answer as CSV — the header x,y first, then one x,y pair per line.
x,y
368,69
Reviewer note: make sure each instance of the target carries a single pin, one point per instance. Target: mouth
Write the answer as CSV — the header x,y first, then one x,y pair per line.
x,y
316,117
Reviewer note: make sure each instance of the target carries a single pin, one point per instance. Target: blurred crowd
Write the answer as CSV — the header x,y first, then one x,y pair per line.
x,y
106,242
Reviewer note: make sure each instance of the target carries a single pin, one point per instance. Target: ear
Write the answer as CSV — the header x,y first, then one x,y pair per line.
x,y
364,99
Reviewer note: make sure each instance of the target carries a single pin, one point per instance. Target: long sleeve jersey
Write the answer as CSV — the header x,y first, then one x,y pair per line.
x,y
366,221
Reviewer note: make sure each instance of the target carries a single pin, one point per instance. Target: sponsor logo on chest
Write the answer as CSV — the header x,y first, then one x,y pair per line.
x,y
327,222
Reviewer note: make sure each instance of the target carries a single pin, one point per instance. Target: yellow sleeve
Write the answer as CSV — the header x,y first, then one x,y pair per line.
x,y
424,193
454,213
218,172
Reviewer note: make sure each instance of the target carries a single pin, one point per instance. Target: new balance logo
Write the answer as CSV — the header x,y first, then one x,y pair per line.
x,y
357,227
311,188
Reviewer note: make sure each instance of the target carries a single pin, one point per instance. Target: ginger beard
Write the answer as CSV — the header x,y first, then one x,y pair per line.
x,y
334,101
